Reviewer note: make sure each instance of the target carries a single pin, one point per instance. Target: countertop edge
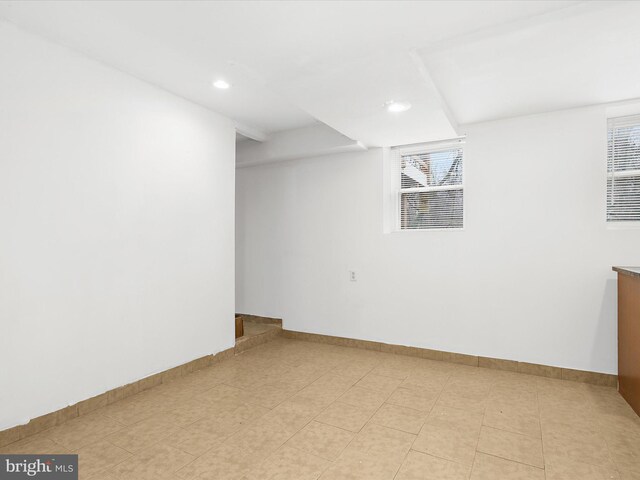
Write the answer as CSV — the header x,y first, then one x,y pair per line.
x,y
631,271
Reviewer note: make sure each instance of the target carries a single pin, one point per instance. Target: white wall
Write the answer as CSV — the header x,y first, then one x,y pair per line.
x,y
116,220
529,278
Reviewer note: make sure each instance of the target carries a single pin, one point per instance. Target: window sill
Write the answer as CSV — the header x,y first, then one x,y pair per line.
x,y
422,230
635,225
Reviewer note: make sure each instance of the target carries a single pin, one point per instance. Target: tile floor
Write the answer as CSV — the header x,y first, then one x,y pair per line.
x,y
295,410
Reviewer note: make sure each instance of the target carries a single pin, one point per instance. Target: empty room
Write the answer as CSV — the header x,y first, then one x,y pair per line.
x,y
319,240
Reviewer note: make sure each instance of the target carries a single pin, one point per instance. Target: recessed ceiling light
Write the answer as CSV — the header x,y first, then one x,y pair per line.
x,y
396,107
221,84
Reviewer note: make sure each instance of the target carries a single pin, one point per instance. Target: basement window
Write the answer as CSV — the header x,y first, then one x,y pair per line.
x,y
623,170
429,183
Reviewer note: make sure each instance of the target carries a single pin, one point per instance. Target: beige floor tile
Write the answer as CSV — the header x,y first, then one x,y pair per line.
x,y
136,408
416,399
420,466
262,437
320,395
272,394
627,475
564,469
289,463
615,424
247,380
224,394
472,382
297,380
464,401
225,462
295,413
98,457
352,370
144,434
195,442
558,409
505,417
158,461
488,467
619,432
363,397
515,406
249,416
393,371
400,418
382,442
83,430
578,444
361,467
187,413
510,391
578,420
345,416
104,475
449,442
35,444
331,380
229,423
455,418
612,404
321,440
514,380
431,382
626,457
379,383
511,446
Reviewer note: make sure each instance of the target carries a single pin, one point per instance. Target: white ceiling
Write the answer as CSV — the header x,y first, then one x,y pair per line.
x,y
293,64
586,55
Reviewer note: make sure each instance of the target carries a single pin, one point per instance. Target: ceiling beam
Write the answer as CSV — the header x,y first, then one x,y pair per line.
x,y
311,141
555,15
252,133
430,84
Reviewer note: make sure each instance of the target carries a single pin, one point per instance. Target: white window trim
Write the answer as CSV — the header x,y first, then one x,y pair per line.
x,y
397,190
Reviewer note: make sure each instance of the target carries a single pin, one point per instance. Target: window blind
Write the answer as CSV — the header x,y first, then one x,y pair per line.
x,y
623,169
430,186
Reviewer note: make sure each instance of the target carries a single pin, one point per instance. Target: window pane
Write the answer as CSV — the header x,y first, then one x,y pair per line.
x,y
623,199
624,148
431,169
623,166
425,210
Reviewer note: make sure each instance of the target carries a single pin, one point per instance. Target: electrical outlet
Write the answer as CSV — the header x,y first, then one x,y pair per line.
x,y
352,275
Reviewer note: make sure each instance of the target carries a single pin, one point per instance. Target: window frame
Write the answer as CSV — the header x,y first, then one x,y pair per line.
x,y
617,224
429,147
